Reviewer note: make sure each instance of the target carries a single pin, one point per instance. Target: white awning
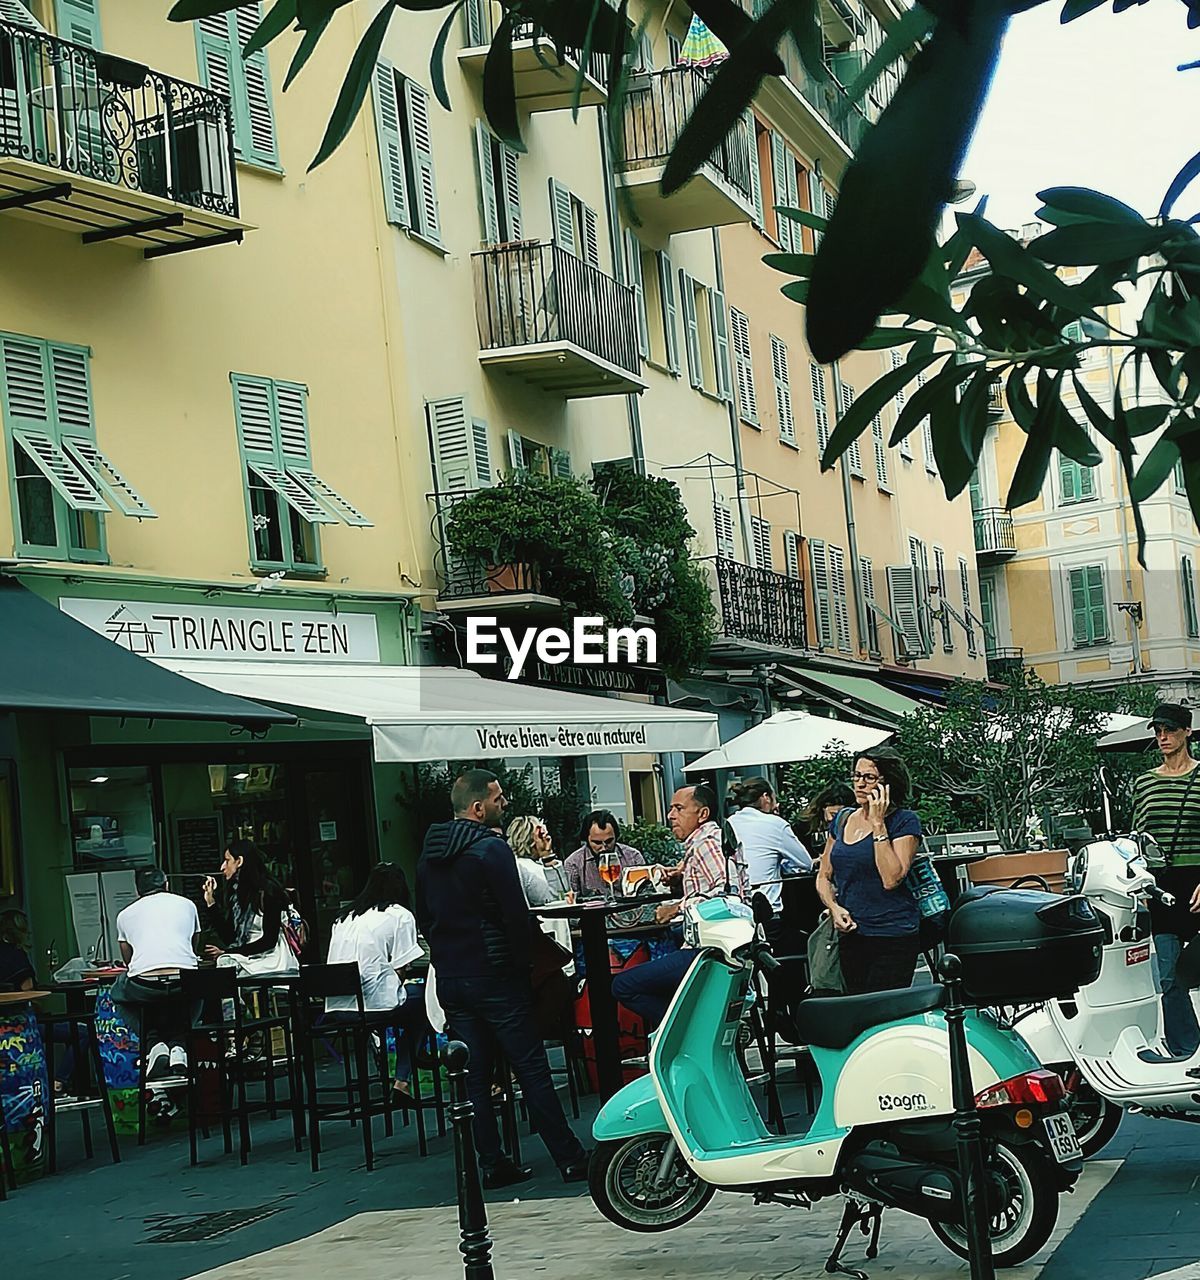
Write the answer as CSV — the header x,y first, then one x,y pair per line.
x,y
788,736
442,713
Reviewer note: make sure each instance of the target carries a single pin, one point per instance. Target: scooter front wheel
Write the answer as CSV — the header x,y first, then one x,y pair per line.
x,y
1027,1207
644,1184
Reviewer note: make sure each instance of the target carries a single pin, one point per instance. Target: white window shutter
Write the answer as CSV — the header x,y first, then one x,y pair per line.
x,y
881,456
818,559
723,531
488,195
720,326
391,148
510,166
742,358
906,449
476,23
691,329
481,449
820,404
781,160
837,592
755,169
455,465
633,255
14,11
560,464
854,453
420,137
902,596
516,451
666,283
791,553
562,218
816,201
783,389
760,530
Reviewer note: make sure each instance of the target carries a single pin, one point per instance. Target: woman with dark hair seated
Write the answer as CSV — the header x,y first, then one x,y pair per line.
x,y
251,925
378,932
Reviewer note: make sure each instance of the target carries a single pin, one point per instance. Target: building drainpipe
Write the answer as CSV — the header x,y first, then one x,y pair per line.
x,y
747,541
1126,563
637,447
848,502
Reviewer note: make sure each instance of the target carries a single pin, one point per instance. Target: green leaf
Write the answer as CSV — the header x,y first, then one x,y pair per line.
x,y
437,58
792,264
1093,205
890,336
922,303
1144,419
281,16
1100,420
955,466
1156,467
804,21
304,50
1031,467
796,291
1024,411
858,417
957,249
500,85
803,217
1179,184
1071,439
914,25
190,10
973,414
354,87
919,405
1095,243
1008,258
1073,9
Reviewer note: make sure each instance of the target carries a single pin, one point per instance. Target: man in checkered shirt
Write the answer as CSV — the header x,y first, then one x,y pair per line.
x,y
647,989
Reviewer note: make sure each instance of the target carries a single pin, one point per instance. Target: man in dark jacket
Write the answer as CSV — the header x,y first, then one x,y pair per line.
x,y
473,913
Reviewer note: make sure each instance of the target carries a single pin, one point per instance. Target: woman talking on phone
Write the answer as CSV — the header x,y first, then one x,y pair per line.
x,y
868,854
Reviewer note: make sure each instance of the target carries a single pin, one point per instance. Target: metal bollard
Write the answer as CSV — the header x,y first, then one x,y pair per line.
x,y
475,1244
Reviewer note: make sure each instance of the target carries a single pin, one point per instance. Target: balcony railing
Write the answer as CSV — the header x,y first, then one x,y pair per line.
x,y
459,576
761,606
482,18
534,294
1003,662
994,532
89,114
657,107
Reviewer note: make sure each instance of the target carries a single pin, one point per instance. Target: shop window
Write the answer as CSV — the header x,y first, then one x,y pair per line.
x,y
112,818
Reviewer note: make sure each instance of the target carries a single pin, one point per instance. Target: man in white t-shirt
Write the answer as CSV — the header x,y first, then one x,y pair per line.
x,y
158,935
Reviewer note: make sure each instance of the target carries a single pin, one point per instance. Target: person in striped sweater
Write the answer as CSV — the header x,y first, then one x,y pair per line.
x,y
1166,805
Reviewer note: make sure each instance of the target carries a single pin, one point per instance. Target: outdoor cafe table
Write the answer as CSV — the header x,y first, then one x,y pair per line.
x,y
24,1081
591,917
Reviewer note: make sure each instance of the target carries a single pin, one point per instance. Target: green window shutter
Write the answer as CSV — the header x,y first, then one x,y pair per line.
x,y
14,11
71,390
221,70
720,327
1097,604
1087,483
780,160
818,559
482,453
516,451
755,168
263,145
488,197
254,414
691,328
510,190
86,454
391,148
291,421
1068,478
666,283
560,464
633,256
453,445
987,613
1081,632
427,219
1188,580
562,218
78,21
291,417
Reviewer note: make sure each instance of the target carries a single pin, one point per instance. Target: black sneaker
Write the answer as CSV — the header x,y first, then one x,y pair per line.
x,y
576,1171
505,1173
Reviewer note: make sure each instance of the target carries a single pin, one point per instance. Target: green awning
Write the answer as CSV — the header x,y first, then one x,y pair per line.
x,y
867,693
49,662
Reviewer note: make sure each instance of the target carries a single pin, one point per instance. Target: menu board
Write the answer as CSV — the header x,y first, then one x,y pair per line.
x,y
199,846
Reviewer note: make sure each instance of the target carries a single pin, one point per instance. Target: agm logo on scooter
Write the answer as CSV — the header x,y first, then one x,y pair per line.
x,y
904,1102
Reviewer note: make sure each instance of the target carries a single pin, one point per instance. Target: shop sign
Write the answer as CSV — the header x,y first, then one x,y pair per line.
x,y
207,631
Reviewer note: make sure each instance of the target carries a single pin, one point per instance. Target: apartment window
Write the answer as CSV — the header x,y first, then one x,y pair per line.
x,y
541,459
881,455
286,500
899,400
1089,606
1187,578
1178,483
918,558
791,553
459,446
637,282
818,560
987,613
63,485
760,530
499,187
754,133
747,398
838,595
904,601
785,193
406,154
820,404
221,39
867,574
665,353
783,390
574,224
927,436
939,570
854,453
1076,483
723,531
706,336
964,583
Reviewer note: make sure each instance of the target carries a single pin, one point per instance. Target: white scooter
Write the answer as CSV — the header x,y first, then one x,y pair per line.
x,y
1093,1040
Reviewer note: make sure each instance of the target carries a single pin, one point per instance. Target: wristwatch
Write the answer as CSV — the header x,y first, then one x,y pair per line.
x,y
881,839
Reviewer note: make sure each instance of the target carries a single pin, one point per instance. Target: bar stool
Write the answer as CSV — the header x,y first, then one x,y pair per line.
x,y
88,1082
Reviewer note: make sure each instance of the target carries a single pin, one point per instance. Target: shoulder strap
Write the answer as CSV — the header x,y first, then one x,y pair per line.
x,y
1187,791
839,823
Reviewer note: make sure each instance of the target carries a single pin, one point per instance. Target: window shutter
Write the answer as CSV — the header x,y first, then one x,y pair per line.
x,y
747,398
829,201
902,595
454,445
1086,482
854,453
516,451
488,199
837,591
633,254
927,436
780,159
14,11
291,409
918,557
482,449
561,218
560,464
987,613
816,202
1080,632
1097,606
723,530
1188,581
791,192
871,620
71,390
256,76
755,168
666,282
818,559
760,530
416,101
791,553
255,420
820,405
899,400
78,21
106,478
391,149
591,236
691,329
783,389
510,174
939,571
881,457
220,70
73,485
477,32
964,586
720,326
1068,471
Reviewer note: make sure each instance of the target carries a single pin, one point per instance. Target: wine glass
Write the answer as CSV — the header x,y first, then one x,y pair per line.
x,y
609,866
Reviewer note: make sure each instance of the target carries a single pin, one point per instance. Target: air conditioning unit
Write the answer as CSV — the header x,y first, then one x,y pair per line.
x,y
195,168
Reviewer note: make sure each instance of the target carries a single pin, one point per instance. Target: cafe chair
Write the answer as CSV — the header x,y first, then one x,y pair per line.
x,y
211,1056
89,1089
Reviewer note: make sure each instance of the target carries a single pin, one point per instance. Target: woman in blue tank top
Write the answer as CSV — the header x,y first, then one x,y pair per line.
x,y
868,853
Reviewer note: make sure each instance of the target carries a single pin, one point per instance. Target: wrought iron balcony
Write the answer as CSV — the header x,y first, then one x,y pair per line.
x,y
1001,663
996,398
543,80
994,537
657,106
112,150
761,606
555,320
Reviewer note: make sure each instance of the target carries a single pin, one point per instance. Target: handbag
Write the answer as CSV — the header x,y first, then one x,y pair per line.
x,y
825,958
922,880
294,930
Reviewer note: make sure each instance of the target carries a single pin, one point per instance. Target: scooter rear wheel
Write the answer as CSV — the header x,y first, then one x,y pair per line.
x,y
1028,1208
1096,1119
623,1178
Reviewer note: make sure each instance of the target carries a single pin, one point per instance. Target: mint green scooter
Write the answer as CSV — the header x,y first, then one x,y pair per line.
x,y
882,1131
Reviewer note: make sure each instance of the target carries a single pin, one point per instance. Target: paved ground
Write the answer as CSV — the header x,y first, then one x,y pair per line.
x,y
1134,1215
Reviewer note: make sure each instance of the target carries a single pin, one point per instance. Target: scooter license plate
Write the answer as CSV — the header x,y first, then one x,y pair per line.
x,y
1063,1142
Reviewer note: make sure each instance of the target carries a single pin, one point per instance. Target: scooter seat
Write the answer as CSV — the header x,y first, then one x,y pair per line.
x,y
834,1022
